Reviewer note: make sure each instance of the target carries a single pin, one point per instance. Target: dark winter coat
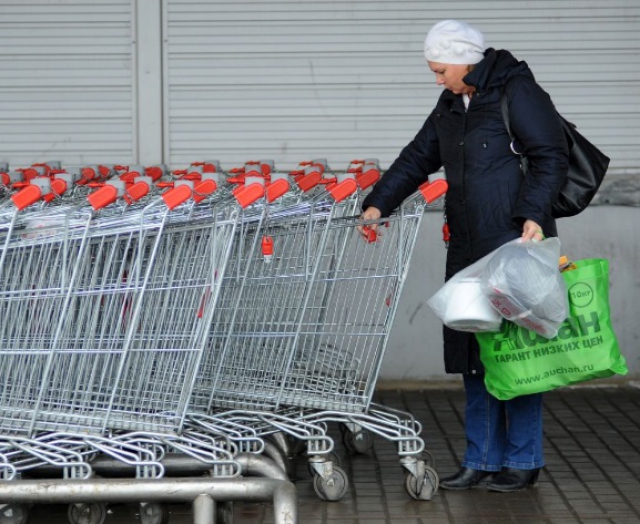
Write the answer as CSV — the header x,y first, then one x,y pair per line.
x,y
488,198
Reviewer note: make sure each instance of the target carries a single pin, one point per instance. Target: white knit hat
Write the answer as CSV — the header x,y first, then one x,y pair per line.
x,y
454,42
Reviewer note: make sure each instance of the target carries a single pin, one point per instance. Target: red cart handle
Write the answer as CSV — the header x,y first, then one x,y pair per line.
x,y
277,188
431,191
247,195
343,189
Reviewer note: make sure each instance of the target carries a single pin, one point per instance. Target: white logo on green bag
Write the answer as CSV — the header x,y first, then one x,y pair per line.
x,y
581,294
512,337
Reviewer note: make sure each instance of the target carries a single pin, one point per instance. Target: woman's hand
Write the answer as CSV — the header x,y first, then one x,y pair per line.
x,y
371,213
532,231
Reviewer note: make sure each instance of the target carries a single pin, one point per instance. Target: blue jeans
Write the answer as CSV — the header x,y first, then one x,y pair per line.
x,y
501,433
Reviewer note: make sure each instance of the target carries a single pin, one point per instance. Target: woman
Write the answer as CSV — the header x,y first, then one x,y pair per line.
x,y
489,202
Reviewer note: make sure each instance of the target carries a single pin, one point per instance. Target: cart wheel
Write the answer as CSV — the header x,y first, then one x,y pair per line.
x,y
333,488
154,513
360,442
331,457
429,484
92,513
224,513
14,513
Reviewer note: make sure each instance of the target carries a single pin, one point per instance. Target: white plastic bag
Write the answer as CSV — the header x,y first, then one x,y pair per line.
x,y
519,281
462,305
524,284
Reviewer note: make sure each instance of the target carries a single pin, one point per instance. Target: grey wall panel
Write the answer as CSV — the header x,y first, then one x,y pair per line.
x,y
66,89
293,79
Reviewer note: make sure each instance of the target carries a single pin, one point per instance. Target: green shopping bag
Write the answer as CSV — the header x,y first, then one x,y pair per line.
x,y
520,362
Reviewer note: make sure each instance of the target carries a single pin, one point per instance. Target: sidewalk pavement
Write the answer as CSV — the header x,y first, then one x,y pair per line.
x,y
592,476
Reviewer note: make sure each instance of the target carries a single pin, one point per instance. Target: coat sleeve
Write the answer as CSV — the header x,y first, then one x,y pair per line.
x,y
419,159
536,125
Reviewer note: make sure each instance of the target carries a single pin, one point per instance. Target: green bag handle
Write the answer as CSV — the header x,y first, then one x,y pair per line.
x,y
590,269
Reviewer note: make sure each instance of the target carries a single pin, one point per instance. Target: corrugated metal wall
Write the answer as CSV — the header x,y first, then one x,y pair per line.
x,y
66,88
82,81
302,78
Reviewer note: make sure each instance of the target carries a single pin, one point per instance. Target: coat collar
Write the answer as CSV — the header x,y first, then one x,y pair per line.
x,y
495,69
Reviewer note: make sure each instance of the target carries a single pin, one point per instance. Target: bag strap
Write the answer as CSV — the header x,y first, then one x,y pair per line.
x,y
504,107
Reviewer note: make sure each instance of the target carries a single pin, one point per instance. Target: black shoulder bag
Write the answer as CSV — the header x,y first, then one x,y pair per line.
x,y
587,167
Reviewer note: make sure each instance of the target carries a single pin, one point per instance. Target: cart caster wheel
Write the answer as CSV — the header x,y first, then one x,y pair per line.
x,y
428,487
331,457
93,513
154,513
14,514
360,442
333,488
224,513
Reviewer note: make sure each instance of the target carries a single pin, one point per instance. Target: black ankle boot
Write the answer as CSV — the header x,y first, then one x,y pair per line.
x,y
466,478
510,479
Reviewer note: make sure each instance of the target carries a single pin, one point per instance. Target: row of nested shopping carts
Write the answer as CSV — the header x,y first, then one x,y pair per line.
x,y
200,315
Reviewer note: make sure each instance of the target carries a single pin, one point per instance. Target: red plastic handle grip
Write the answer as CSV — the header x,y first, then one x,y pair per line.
x,y
26,196
276,189
446,233
204,189
28,173
128,177
431,191
154,172
58,187
307,182
343,189
88,173
249,194
253,171
103,197
370,234
207,167
265,169
368,178
267,245
136,191
176,196
104,171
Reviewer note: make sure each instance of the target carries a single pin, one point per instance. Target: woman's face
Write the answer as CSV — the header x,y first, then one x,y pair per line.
x,y
450,76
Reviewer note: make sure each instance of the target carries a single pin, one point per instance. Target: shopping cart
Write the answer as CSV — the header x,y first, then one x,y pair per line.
x,y
307,329
107,314
199,328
